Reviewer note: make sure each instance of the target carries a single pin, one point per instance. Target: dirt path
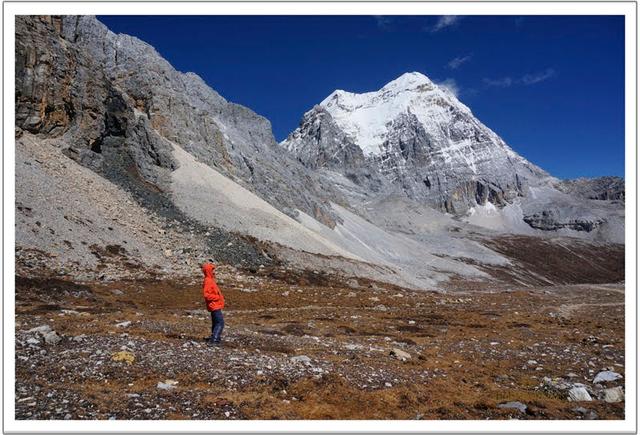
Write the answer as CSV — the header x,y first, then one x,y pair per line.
x,y
567,310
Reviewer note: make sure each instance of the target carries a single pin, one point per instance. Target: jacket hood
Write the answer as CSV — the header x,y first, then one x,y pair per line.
x,y
208,269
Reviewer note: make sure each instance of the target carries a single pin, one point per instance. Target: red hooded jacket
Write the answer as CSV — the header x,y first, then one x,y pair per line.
x,y
212,294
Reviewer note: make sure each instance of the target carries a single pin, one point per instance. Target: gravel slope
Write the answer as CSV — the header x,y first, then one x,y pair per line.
x,y
73,215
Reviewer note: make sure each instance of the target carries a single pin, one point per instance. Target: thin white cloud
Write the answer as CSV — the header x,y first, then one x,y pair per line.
x,y
504,82
445,21
532,79
383,22
451,85
456,62
526,80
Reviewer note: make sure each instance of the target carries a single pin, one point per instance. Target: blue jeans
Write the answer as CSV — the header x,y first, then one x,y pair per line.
x,y
217,325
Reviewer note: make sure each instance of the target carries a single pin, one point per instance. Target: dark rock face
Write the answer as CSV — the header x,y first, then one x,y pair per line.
x,y
108,95
548,220
331,147
39,106
602,188
480,191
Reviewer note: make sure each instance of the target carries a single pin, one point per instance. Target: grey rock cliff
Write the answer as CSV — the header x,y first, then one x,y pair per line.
x,y
119,104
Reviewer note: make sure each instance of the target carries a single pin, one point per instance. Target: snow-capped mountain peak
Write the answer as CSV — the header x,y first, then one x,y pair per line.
x,y
365,117
414,136
408,81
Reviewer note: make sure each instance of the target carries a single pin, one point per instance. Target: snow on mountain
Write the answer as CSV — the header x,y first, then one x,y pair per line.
x,y
365,117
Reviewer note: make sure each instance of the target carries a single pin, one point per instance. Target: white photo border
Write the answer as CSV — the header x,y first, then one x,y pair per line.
x,y
625,8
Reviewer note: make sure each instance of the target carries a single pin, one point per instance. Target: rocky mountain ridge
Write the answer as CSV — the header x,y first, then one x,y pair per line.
x,y
113,90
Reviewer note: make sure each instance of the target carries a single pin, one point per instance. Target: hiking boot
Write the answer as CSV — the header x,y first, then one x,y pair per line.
x,y
212,343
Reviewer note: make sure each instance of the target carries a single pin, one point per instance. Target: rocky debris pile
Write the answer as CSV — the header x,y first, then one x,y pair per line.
x,y
550,220
602,388
46,333
114,237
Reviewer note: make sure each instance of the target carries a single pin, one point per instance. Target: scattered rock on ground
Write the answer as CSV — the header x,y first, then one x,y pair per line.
x,y
168,384
556,384
606,376
301,359
353,283
51,338
514,405
588,414
400,354
69,312
40,329
579,394
612,395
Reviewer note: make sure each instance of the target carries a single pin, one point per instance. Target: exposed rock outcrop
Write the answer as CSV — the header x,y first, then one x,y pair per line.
x,y
116,104
601,188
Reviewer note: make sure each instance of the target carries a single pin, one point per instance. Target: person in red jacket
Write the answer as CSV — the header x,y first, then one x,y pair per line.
x,y
215,302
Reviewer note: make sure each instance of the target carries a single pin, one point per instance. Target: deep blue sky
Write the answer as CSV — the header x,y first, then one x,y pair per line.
x,y
551,86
